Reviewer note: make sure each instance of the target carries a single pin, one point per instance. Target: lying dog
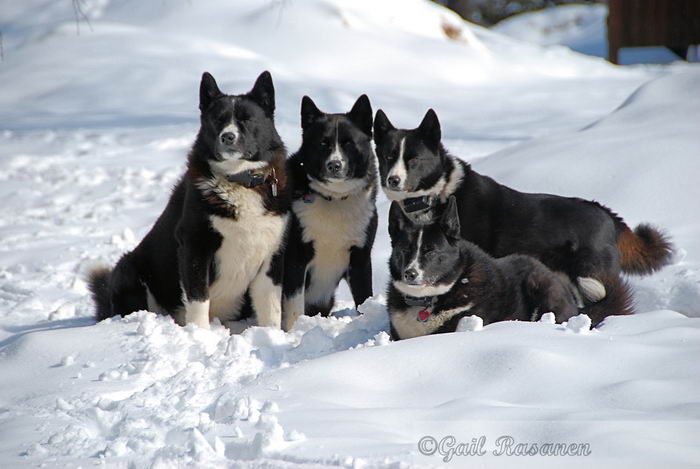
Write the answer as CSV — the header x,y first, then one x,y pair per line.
x,y
582,239
437,278
334,217
216,250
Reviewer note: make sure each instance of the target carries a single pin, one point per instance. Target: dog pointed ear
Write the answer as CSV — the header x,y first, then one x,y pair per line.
x,y
361,114
309,112
263,93
398,222
429,129
382,126
450,219
208,91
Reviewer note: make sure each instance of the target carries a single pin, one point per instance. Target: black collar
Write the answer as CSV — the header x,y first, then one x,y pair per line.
x,y
420,209
252,178
309,196
424,301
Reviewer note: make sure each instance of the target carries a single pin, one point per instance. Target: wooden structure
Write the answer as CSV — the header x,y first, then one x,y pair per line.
x,y
642,23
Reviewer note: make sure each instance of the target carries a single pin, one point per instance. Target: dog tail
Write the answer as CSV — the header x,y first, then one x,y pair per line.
x,y
617,300
98,280
644,250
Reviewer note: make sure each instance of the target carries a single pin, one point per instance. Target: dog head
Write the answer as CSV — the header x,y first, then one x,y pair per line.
x,y
411,162
238,130
336,151
426,260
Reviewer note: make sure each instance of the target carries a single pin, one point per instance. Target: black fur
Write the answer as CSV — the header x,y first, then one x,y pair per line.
x,y
334,177
514,287
178,257
570,235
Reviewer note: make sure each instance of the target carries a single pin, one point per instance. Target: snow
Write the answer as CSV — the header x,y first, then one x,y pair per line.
x,y
93,135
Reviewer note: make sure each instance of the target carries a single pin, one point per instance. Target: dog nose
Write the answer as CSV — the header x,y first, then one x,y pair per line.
x,y
410,275
228,138
334,166
393,182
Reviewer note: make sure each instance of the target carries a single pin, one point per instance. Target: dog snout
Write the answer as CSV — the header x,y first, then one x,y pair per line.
x,y
334,167
410,275
393,182
228,138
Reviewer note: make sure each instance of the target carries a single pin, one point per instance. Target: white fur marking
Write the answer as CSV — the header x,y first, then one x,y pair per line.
x,y
267,299
233,166
415,262
442,188
407,325
153,305
420,291
336,155
292,308
248,244
197,312
333,227
337,188
453,181
399,168
592,289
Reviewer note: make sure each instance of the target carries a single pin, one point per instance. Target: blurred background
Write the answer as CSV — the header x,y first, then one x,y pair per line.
x,y
622,31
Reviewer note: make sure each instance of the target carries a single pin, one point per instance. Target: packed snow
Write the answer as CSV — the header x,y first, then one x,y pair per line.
x,y
94,130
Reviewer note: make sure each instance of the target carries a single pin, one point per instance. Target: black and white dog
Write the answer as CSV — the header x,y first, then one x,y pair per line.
x,y
582,239
334,217
216,250
437,278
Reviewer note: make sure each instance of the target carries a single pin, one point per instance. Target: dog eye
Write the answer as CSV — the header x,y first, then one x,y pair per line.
x,y
346,143
222,118
413,163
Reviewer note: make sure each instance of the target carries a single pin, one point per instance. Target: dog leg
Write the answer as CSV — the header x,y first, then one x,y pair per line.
x,y
197,312
266,295
296,260
292,307
359,274
194,277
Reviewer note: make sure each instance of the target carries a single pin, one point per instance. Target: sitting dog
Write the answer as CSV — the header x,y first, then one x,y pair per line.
x,y
216,250
334,219
437,278
582,239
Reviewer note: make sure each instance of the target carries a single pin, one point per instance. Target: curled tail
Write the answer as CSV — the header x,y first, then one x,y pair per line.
x,y
98,283
644,250
617,299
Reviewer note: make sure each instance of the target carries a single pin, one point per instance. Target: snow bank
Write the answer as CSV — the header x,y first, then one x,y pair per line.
x,y
641,160
142,390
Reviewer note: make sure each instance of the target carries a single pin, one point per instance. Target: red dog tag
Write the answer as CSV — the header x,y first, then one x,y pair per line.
x,y
423,315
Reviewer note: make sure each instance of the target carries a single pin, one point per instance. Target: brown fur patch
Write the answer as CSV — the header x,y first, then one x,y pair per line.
x,y
213,189
644,250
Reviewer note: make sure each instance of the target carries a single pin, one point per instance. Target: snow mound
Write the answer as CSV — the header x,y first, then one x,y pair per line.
x,y
641,161
144,387
153,53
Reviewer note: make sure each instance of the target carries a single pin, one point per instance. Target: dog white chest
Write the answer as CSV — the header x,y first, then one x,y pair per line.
x,y
248,244
333,227
407,324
